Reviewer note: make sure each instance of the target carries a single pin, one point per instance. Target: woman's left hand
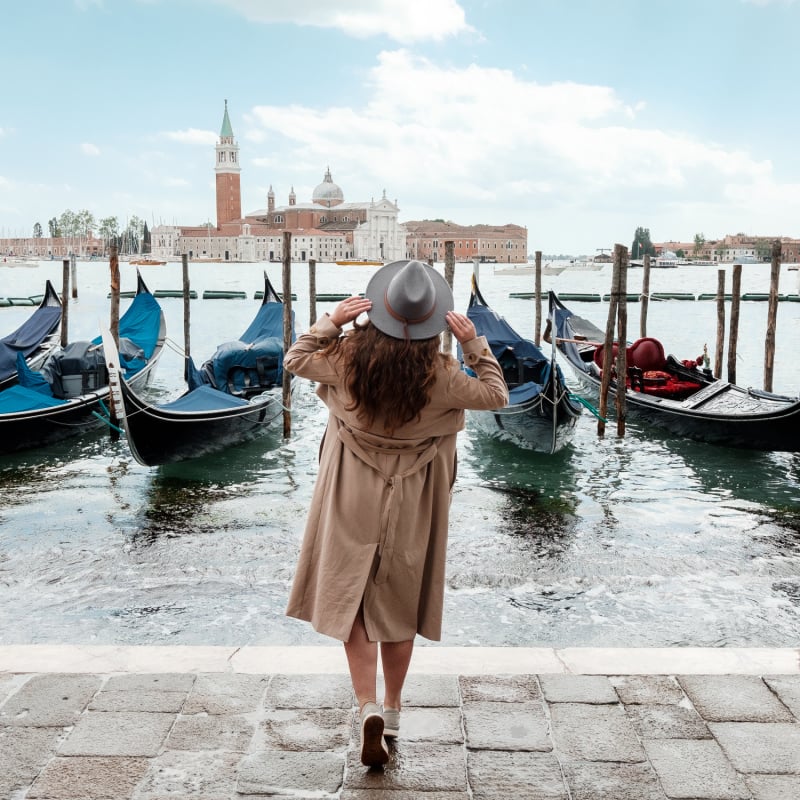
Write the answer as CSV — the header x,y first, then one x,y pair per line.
x,y
349,309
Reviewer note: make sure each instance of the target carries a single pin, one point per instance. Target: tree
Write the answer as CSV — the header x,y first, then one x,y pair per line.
x,y
145,238
37,230
680,252
641,244
84,223
132,236
108,229
699,242
53,225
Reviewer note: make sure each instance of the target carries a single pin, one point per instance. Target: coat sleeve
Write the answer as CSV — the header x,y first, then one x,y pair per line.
x,y
488,390
304,358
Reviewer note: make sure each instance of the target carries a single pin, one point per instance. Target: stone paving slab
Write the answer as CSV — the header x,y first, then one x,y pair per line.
x,y
227,735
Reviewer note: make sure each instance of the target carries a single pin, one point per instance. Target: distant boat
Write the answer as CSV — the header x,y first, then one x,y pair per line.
x,y
18,261
360,262
147,262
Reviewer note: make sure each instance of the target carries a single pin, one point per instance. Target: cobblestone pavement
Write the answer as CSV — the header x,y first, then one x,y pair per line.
x,y
544,736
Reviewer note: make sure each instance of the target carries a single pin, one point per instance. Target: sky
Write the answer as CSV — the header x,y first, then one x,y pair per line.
x,y
578,119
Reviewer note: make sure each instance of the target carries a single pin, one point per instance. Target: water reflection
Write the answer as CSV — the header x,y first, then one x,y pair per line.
x,y
188,497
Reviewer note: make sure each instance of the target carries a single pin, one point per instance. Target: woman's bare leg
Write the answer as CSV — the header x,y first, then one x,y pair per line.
x,y
362,659
395,657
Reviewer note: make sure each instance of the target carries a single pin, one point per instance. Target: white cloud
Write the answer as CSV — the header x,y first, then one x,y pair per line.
x,y
191,136
174,182
400,20
89,149
480,144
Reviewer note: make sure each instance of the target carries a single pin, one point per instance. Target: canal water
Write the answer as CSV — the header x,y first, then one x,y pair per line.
x,y
641,541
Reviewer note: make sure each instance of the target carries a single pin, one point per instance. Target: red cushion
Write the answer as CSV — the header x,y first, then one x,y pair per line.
x,y
647,354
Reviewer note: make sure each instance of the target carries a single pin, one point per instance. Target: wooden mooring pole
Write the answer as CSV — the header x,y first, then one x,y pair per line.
x,y
608,348
537,293
772,316
645,298
720,348
113,264
64,302
449,274
286,287
621,258
312,291
736,292
73,272
187,348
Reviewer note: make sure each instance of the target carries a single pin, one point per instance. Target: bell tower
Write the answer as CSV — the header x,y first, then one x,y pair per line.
x,y
227,169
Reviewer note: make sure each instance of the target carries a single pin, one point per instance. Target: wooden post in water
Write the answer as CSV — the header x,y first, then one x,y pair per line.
x,y
621,258
645,298
114,327
187,293
537,293
113,265
64,302
449,274
608,348
720,349
286,288
73,271
736,291
312,291
772,316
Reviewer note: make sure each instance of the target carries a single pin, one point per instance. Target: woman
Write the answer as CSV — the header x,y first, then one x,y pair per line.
x,y
372,564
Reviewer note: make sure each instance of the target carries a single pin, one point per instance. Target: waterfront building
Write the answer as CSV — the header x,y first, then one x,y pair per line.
x,y
501,244
737,248
326,229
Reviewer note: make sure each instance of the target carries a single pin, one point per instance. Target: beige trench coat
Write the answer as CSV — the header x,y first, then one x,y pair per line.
x,y
377,526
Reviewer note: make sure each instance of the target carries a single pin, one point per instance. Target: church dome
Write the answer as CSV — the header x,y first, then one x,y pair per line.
x,y
328,193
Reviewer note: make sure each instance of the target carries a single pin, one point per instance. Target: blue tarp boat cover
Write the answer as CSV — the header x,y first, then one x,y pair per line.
x,y
139,329
501,335
27,338
21,398
524,392
249,364
141,323
204,398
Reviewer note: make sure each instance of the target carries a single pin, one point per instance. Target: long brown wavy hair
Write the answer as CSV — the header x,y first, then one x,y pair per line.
x,y
387,377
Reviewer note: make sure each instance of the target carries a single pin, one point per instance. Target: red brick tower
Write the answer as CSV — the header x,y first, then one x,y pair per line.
x,y
227,169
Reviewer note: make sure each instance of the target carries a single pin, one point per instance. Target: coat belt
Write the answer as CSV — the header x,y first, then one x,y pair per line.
x,y
391,509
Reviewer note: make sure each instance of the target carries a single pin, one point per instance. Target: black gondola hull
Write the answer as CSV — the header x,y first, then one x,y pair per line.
x,y
158,436
543,421
718,413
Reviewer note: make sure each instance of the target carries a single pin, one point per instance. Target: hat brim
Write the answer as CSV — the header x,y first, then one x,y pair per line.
x,y
380,317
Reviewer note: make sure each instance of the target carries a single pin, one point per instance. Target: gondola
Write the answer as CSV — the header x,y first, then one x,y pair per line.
x,y
541,413
67,396
232,397
677,395
35,338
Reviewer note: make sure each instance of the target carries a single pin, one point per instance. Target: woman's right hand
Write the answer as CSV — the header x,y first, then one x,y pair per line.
x,y
462,326
349,309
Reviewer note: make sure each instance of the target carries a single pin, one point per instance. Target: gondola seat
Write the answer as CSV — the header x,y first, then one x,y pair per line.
x,y
648,372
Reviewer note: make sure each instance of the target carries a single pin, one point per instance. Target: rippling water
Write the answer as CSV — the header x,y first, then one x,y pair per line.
x,y
637,541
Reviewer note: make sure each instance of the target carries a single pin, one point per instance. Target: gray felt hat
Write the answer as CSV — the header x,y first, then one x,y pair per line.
x,y
409,300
